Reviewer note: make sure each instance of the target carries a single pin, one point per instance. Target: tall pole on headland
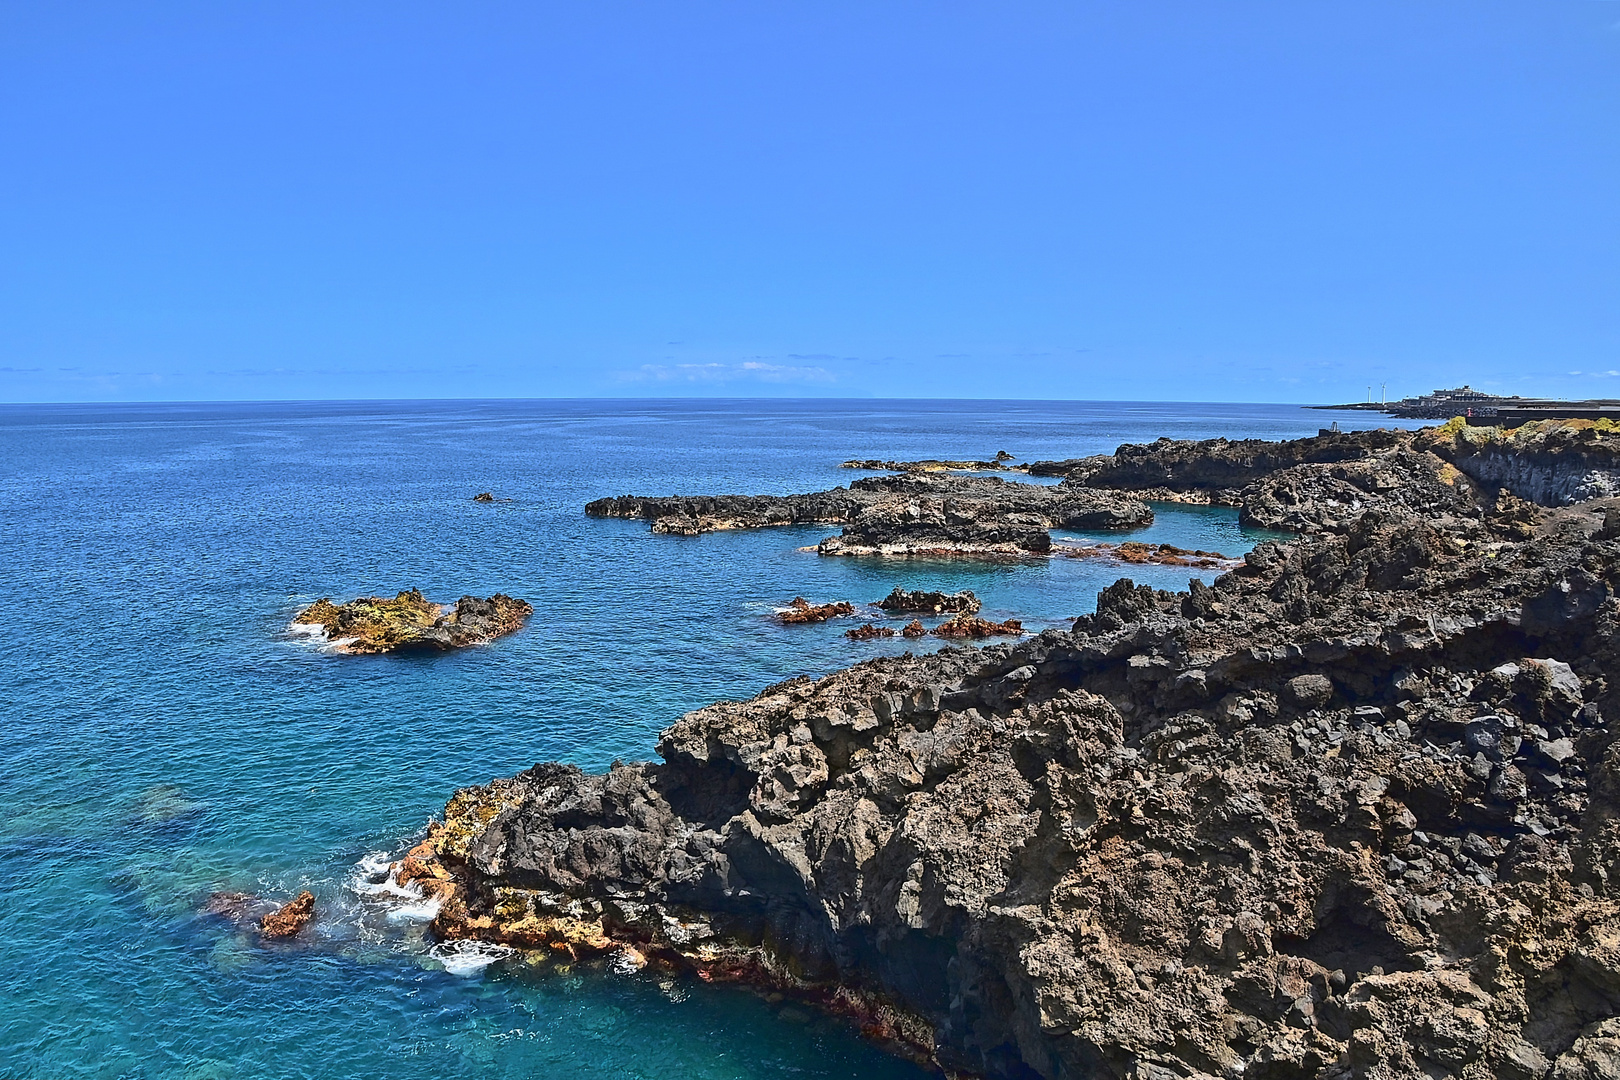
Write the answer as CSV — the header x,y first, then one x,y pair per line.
x,y
1383,393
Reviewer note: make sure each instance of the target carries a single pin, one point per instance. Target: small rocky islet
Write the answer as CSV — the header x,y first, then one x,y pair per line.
x,y
1352,810
373,624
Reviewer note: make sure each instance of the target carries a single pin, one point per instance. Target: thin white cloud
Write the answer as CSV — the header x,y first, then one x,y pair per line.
x,y
747,370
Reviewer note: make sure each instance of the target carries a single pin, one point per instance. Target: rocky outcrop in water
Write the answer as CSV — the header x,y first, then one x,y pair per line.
x,y
913,514
290,918
973,627
929,601
997,464
868,632
1134,553
375,624
803,611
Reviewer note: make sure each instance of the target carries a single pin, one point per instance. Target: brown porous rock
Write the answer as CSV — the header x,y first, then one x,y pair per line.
x,y
292,917
803,611
375,624
971,626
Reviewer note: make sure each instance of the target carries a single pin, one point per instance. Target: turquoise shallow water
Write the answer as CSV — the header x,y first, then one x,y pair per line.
x,y
166,737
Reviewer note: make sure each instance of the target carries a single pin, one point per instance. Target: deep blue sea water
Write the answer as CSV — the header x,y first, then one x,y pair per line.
x,y
165,737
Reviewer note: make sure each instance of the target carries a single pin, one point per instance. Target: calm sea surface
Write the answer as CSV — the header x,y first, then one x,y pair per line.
x,y
165,737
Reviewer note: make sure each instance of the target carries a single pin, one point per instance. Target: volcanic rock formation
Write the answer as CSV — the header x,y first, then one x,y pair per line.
x,y
803,611
998,464
971,626
1351,811
374,624
292,917
930,601
1140,554
912,514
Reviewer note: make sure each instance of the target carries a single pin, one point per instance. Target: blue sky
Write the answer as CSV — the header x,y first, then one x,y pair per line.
x,y
1135,200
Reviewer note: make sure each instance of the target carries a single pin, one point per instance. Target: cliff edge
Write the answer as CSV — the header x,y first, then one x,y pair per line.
x,y
1351,811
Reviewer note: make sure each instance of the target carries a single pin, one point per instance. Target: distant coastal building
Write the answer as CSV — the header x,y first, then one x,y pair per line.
x,y
1482,408
1444,404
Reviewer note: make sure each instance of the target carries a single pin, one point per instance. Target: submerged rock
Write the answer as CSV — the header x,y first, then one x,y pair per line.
x,y
287,920
1353,810
374,624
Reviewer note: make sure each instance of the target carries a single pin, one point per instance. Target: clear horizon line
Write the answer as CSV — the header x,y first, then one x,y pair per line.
x,y
646,399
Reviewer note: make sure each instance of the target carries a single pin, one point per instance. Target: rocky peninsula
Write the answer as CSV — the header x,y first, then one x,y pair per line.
x,y
912,514
996,464
375,624
1351,811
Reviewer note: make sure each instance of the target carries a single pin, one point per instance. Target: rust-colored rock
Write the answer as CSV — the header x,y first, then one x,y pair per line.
x,y
1137,553
374,624
290,918
971,626
803,611
914,629
868,631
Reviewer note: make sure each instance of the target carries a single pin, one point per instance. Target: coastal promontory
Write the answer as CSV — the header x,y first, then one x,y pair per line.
x,y
1352,810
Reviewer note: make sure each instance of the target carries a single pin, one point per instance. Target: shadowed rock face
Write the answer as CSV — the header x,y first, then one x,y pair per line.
x,y
1325,483
1180,464
374,624
901,515
1353,810
930,601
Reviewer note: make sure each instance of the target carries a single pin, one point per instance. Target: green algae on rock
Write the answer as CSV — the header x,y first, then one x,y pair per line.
x,y
375,624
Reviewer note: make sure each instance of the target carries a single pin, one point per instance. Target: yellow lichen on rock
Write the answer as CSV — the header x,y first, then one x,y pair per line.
x,y
375,624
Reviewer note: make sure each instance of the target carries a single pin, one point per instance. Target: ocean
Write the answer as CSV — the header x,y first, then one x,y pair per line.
x,y
167,737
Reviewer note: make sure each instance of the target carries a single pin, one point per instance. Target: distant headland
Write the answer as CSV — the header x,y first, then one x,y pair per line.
x,y
1490,409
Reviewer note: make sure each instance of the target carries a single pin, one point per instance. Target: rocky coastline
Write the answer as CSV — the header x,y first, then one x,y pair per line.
x,y
375,624
1352,810
996,464
911,514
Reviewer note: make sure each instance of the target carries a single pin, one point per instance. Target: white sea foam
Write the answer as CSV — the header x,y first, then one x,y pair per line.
x,y
466,958
375,863
388,887
306,629
423,911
